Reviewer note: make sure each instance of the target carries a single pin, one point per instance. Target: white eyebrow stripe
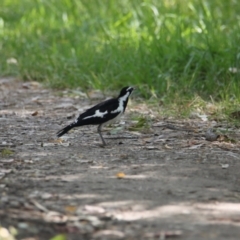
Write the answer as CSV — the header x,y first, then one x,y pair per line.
x,y
97,114
121,100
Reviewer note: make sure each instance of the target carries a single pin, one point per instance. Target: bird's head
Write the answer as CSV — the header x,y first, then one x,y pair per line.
x,y
126,90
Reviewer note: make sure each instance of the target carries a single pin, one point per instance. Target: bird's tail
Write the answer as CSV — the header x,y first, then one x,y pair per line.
x,y
65,130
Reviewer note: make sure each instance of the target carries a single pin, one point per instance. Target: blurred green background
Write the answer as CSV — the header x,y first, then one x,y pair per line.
x,y
167,48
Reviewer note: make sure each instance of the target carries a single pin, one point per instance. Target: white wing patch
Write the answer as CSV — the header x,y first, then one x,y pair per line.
x,y
97,114
121,100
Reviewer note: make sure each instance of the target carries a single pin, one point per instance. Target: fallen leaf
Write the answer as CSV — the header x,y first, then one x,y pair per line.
x,y
168,147
70,209
35,113
94,209
120,175
225,166
58,140
151,148
196,146
225,138
148,140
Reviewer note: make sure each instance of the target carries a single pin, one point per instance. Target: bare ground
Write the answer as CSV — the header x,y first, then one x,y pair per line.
x,y
164,184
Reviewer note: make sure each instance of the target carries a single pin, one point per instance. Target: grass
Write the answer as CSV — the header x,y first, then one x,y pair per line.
x,y
6,152
171,49
142,123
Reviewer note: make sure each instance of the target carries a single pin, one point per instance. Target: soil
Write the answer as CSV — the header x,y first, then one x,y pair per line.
x,y
157,183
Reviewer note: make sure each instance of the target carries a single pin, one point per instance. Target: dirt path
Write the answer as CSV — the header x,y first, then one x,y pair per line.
x,y
161,185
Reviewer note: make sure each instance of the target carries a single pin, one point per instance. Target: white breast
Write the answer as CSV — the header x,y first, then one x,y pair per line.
x,y
121,100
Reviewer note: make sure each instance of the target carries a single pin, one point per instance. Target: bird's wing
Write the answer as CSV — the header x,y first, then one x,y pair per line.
x,y
105,104
99,113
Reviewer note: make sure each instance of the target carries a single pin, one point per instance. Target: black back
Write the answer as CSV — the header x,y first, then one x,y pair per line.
x,y
107,106
110,104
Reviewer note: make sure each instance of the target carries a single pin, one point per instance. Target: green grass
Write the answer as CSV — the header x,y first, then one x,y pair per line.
x,y
170,49
6,152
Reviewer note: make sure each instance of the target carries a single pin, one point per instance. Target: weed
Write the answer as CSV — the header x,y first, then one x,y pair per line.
x,y
6,152
141,123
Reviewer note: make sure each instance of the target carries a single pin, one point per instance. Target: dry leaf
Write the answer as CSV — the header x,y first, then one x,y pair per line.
x,y
151,148
120,175
225,138
35,113
94,209
196,146
225,166
70,209
148,140
58,140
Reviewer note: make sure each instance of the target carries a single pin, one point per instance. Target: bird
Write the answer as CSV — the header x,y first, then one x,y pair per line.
x,y
102,114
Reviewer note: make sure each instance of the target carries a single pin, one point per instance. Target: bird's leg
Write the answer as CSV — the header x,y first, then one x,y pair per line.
x,y
99,131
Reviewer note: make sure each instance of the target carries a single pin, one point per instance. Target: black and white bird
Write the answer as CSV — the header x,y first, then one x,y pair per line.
x,y
103,113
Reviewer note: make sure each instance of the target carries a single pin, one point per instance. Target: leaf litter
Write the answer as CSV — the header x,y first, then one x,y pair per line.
x,y
70,185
